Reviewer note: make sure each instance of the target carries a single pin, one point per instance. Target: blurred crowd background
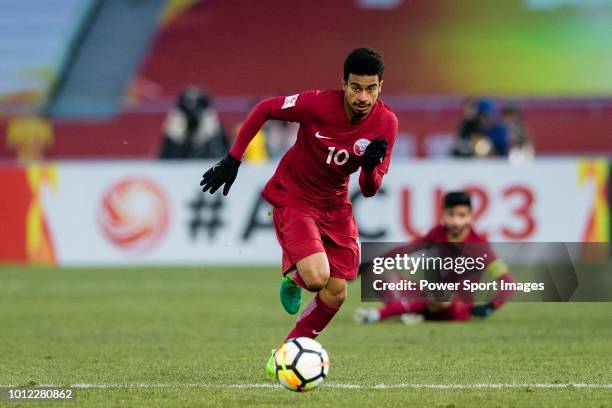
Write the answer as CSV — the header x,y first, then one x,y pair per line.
x,y
104,79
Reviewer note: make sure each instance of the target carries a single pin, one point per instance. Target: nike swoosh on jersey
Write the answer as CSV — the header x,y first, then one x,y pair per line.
x,y
320,136
316,333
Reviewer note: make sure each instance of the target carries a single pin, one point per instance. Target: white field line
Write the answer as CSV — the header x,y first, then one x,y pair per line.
x,y
335,385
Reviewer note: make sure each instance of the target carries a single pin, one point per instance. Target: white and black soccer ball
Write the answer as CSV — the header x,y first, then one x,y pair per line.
x,y
302,364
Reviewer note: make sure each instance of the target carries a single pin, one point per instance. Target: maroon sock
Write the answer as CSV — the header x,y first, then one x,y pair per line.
x,y
398,308
313,319
298,279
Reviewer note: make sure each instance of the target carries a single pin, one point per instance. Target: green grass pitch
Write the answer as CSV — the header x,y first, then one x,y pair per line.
x,y
201,336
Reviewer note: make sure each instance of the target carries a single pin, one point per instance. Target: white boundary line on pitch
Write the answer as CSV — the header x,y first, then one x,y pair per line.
x,y
335,385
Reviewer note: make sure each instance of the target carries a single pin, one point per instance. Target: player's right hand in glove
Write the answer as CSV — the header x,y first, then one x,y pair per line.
x,y
374,154
221,173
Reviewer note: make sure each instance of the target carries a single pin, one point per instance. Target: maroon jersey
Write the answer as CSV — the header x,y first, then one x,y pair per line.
x,y
316,169
477,245
439,233
474,245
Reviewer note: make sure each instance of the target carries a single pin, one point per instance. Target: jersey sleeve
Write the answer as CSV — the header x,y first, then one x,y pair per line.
x,y
370,182
498,270
390,134
292,108
494,266
502,296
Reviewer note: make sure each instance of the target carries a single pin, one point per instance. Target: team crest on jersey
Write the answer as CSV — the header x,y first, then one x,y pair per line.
x,y
360,146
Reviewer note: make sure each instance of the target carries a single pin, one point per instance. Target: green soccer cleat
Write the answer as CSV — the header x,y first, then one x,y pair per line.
x,y
271,366
290,294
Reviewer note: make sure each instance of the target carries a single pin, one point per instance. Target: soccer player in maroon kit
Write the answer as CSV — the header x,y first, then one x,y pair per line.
x,y
341,132
456,227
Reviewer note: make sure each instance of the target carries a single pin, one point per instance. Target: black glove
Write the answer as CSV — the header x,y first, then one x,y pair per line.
x,y
221,173
483,310
374,155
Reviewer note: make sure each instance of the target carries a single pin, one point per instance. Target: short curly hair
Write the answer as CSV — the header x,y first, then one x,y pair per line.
x,y
363,61
455,198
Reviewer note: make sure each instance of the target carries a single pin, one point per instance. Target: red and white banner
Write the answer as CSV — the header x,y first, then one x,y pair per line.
x,y
147,213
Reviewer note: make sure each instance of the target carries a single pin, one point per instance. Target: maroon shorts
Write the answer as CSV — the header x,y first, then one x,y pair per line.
x,y
303,232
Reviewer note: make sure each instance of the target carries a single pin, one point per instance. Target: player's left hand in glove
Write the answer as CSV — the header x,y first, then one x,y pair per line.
x,y
483,310
374,154
221,173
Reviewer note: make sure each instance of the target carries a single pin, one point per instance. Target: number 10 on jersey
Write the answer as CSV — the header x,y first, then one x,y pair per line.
x,y
340,157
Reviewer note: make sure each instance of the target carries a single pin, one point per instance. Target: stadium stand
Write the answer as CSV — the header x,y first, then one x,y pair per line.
x,y
199,47
35,37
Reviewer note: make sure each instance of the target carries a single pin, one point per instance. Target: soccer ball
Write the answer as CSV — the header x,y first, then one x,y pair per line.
x,y
301,364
